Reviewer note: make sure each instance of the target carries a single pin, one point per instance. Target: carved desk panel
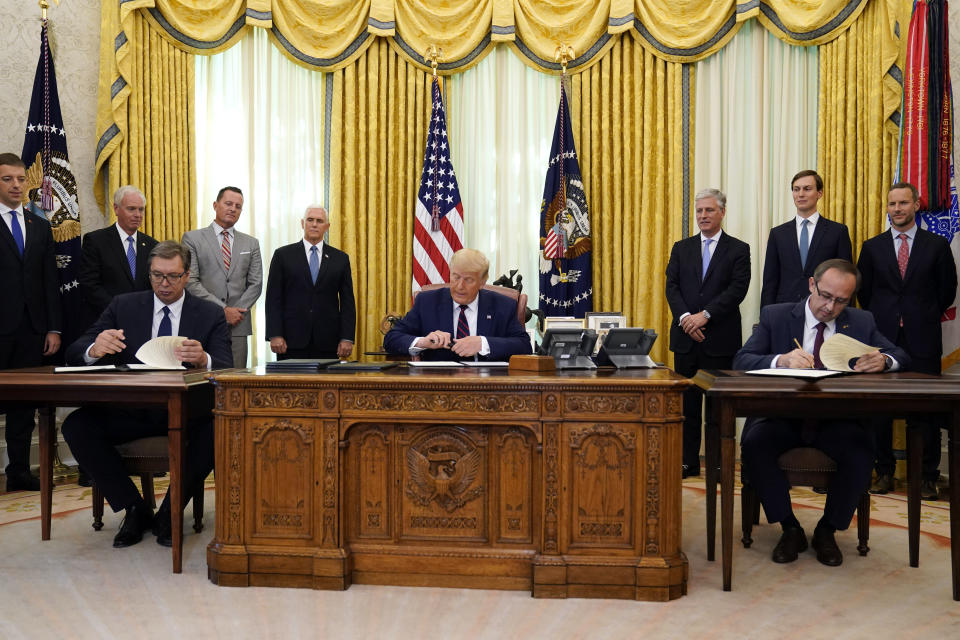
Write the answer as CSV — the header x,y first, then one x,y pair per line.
x,y
566,484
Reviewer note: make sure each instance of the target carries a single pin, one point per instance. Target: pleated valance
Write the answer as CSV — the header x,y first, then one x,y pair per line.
x,y
328,34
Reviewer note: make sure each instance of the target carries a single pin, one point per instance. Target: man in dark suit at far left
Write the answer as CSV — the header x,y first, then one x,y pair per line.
x,y
707,277
114,259
30,317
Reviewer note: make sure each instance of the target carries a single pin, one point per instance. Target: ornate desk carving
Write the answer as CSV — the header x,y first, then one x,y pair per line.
x,y
567,484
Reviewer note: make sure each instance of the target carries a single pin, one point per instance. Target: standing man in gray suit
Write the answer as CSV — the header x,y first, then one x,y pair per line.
x,y
226,268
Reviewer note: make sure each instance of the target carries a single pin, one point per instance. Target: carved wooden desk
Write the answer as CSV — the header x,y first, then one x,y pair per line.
x,y
730,394
566,484
181,394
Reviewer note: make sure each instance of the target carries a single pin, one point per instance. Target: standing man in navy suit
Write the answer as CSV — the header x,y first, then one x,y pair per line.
x,y
707,278
30,318
795,248
114,259
462,321
909,280
311,312
130,320
847,442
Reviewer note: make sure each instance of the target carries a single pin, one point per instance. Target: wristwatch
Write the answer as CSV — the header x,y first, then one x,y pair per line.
x,y
706,314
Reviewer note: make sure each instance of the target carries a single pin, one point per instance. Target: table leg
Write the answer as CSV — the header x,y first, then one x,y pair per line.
x,y
711,447
728,443
953,462
176,421
914,467
47,432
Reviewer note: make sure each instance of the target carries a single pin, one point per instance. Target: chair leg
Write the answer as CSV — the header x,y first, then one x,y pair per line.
x,y
198,509
863,523
748,498
146,488
97,508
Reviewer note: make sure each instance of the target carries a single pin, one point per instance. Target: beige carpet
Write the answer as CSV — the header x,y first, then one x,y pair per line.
x,y
77,586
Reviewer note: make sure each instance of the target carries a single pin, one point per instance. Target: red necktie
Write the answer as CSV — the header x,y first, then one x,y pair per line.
x,y
463,328
817,343
903,254
225,248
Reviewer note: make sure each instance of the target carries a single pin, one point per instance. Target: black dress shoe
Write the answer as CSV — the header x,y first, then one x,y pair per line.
x,y
84,479
161,525
135,522
825,545
23,482
792,543
690,471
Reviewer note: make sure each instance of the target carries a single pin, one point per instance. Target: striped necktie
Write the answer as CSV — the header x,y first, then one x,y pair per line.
x,y
225,248
463,327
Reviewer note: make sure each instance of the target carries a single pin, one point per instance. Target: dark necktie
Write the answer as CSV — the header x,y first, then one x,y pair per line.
x,y
463,327
817,343
16,231
165,328
131,257
804,242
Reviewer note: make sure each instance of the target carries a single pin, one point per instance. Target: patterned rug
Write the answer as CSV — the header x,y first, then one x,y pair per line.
x,y
885,510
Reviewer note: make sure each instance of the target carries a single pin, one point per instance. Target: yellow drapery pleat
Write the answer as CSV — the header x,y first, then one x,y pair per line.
x,y
856,138
627,124
155,152
381,109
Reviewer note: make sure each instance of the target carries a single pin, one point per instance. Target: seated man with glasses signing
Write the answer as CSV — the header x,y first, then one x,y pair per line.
x,y
790,335
130,320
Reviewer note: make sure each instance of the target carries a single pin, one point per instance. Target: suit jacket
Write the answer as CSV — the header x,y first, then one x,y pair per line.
x,y
104,272
133,312
920,298
433,310
719,292
784,280
31,286
298,309
240,286
781,324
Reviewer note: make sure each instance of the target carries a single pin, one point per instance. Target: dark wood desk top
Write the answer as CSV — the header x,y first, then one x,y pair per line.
x,y
12,379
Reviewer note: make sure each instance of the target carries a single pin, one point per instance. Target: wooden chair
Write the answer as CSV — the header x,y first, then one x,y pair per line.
x,y
145,457
521,298
804,467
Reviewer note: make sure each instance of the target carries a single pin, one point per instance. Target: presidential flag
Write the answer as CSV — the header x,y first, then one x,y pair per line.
x,y
566,277
438,225
52,188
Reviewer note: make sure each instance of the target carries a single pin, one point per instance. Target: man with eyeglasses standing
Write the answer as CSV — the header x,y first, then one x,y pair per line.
x,y
909,280
774,344
128,322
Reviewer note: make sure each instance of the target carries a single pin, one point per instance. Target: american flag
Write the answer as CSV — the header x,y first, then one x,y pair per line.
x,y
438,227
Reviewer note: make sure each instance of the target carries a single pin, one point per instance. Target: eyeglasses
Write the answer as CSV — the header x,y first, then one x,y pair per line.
x,y
169,278
829,298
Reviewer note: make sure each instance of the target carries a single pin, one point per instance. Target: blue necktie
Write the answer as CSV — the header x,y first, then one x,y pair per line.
x,y
16,231
314,264
131,257
804,242
706,256
165,329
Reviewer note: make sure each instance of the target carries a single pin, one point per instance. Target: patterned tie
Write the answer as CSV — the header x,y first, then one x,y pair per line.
x,y
903,254
817,343
131,257
165,329
314,264
225,248
804,242
463,327
16,231
706,256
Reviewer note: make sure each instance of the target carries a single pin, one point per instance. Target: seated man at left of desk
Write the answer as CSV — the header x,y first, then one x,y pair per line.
x,y
774,343
128,322
462,321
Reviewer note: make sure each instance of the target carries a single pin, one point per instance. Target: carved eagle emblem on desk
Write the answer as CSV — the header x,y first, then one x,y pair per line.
x,y
443,475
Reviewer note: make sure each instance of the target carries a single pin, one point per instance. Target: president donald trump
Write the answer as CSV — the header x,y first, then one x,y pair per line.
x,y
462,321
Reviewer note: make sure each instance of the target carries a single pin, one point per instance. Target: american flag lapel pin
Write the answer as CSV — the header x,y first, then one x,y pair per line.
x,y
489,317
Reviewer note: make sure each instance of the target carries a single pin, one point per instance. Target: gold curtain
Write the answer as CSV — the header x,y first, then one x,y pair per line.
x,y
381,109
857,133
147,132
627,118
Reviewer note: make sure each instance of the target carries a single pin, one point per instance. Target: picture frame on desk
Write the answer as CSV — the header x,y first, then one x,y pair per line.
x,y
602,322
562,322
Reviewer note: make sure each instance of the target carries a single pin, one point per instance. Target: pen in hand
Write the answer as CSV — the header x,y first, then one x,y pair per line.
x,y
800,346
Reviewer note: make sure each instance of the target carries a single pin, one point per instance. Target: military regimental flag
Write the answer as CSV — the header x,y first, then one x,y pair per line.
x,y
566,277
52,189
438,225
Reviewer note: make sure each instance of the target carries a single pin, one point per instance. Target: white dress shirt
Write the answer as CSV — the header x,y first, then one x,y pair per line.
x,y
123,238
911,235
8,214
814,217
